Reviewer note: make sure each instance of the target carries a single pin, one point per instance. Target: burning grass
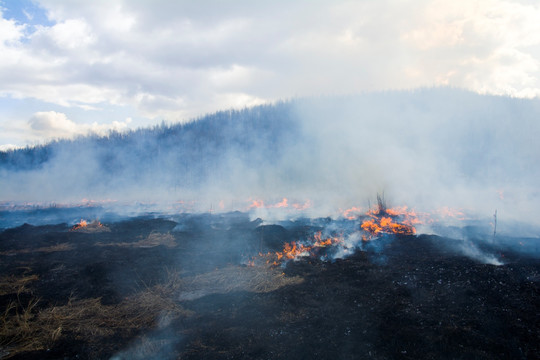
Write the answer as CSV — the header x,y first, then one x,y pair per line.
x,y
94,227
384,220
312,247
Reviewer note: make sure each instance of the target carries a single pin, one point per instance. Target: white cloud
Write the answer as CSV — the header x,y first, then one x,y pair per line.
x,y
10,31
52,124
489,46
68,35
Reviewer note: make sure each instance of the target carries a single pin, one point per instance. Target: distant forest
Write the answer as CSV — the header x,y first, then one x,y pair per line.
x,y
257,130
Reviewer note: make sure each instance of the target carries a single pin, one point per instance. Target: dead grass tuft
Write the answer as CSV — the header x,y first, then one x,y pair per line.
x,y
16,284
18,330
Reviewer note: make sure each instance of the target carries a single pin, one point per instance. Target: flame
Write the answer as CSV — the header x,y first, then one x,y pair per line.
x,y
85,225
282,204
294,250
389,221
303,206
255,204
446,212
351,213
79,225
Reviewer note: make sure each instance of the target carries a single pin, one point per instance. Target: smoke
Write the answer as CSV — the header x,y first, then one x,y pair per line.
x,y
430,149
427,149
158,344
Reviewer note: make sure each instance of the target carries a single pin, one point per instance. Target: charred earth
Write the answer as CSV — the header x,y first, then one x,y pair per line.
x,y
201,287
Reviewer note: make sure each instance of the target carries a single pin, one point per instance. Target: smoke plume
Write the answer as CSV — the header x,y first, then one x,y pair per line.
x,y
427,149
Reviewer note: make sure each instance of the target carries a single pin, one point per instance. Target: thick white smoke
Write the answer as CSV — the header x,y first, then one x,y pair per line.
x,y
427,149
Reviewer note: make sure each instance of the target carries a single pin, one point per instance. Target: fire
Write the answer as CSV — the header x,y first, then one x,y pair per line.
x,y
294,250
303,206
386,225
351,213
94,226
383,220
81,224
285,204
373,223
255,204
282,204
446,212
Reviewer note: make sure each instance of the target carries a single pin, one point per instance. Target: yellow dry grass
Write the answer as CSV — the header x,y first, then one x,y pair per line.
x,y
16,284
44,249
260,279
152,240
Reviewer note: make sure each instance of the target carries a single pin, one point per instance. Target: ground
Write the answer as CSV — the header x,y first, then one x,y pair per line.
x,y
179,288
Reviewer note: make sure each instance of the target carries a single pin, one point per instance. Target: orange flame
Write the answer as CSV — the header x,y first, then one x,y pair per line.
x,y
389,221
256,204
351,213
293,250
303,206
282,204
83,224
80,224
446,212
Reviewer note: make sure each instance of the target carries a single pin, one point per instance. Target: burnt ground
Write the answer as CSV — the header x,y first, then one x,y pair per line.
x,y
176,289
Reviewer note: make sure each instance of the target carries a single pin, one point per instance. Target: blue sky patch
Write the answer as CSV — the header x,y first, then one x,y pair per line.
x,y
25,12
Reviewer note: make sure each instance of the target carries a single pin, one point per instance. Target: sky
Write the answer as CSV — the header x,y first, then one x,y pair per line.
x,y
73,67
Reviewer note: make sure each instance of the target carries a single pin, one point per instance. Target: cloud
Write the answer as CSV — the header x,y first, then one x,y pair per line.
x,y
52,124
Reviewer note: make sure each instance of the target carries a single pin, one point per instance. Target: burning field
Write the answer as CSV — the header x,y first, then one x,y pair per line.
x,y
227,286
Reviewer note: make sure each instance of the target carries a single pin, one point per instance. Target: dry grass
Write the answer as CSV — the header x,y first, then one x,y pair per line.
x,y
152,240
45,249
260,279
16,284
18,328
28,328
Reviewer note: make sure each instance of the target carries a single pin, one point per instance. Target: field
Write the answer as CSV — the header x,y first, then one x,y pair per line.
x,y
194,287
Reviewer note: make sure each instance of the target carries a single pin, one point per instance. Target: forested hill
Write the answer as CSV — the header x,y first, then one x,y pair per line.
x,y
261,129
